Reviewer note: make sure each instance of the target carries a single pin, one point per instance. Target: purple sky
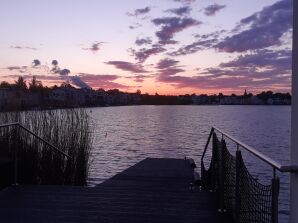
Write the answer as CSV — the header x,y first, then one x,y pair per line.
x,y
169,47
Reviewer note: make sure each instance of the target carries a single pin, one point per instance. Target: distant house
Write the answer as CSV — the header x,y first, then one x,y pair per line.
x,y
92,98
135,99
73,97
254,100
109,99
201,100
230,100
67,96
58,95
278,101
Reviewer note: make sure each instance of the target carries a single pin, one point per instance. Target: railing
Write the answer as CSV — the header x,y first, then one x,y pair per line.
x,y
237,190
17,127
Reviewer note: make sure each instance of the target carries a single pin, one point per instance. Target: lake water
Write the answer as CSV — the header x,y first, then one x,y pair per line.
x,y
125,135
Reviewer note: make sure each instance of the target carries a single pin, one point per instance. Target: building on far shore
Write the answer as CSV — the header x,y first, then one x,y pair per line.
x,y
264,98
67,96
15,99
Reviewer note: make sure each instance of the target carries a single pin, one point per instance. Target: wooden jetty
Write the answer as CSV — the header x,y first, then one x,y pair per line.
x,y
153,190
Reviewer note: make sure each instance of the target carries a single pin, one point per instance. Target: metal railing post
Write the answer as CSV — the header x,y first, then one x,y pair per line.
x,y
214,166
221,178
15,160
275,192
237,187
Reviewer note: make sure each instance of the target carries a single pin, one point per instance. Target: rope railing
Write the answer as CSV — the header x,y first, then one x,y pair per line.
x,y
238,192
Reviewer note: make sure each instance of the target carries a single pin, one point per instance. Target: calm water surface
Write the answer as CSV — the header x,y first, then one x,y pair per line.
x,y
126,135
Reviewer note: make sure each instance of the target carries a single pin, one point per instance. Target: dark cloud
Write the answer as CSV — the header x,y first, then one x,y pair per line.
x,y
18,68
194,47
213,35
143,54
36,63
105,81
57,70
139,78
166,63
185,1
230,83
213,9
11,68
241,82
258,31
172,25
268,59
139,12
135,26
54,63
94,47
167,69
263,64
64,72
184,10
102,77
127,66
261,30
263,69
23,47
265,29
77,81
164,74
203,42
143,41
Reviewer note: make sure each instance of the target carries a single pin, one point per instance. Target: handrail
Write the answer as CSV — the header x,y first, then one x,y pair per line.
x,y
8,124
44,141
263,157
35,135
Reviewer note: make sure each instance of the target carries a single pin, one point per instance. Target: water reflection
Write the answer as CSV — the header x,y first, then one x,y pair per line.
x,y
126,135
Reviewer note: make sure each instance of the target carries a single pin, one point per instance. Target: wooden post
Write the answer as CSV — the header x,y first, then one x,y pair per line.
x,y
294,121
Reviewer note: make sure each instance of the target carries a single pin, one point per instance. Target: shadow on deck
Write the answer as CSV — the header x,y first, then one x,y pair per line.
x,y
153,190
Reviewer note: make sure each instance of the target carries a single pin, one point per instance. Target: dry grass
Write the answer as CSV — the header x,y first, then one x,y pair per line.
x,y
67,129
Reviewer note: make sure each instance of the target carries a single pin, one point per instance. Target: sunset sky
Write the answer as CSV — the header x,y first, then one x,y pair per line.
x,y
164,46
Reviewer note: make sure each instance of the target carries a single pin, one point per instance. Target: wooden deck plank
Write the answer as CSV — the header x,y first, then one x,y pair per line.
x,y
153,190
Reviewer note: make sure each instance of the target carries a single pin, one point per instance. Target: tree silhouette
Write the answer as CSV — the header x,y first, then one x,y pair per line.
x,y
35,85
5,84
21,84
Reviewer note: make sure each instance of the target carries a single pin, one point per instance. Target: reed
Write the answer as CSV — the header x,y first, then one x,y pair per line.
x,y
68,129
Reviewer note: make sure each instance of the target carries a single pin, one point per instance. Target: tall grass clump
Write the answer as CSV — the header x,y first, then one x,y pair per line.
x,y
38,163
